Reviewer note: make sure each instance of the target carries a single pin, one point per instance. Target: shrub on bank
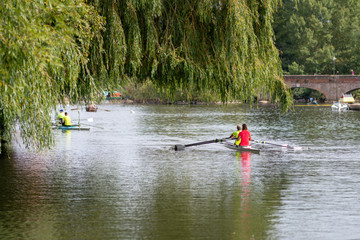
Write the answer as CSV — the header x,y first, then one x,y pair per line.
x,y
147,92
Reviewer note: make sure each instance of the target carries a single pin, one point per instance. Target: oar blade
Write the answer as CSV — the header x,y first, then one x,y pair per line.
x,y
179,147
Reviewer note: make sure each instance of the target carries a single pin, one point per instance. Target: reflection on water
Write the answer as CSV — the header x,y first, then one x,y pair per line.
x,y
123,180
244,159
67,136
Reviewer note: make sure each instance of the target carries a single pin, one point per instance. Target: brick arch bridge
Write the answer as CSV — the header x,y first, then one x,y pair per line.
x,y
332,86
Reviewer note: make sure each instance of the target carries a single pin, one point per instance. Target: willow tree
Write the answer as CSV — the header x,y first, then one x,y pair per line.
x,y
220,46
52,49
44,48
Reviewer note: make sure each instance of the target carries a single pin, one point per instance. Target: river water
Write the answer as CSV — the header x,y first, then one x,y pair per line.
x,y
123,179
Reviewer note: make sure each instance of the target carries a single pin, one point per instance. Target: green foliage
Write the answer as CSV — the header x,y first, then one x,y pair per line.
x,y
44,48
296,69
224,47
147,92
311,33
356,95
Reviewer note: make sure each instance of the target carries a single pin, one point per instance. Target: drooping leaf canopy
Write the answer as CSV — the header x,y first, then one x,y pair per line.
x,y
223,46
52,49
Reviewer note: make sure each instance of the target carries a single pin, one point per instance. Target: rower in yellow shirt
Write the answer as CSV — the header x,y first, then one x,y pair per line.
x,y
61,116
236,135
66,121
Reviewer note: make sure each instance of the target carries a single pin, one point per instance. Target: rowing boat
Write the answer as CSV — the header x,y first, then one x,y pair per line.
x,y
72,128
55,125
91,108
241,148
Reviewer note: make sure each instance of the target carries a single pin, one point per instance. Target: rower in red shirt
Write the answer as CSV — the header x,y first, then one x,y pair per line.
x,y
244,136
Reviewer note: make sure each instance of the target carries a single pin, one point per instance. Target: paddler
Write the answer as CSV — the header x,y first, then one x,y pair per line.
x,y
244,136
61,116
236,135
66,121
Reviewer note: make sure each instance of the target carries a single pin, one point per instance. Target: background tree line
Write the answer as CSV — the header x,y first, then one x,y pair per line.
x,y
310,33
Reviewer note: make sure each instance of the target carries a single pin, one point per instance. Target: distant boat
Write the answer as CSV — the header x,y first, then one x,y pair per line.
x,y
91,108
338,106
342,105
112,95
313,102
347,98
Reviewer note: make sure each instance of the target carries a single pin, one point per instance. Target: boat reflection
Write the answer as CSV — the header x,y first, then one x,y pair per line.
x,y
67,139
244,160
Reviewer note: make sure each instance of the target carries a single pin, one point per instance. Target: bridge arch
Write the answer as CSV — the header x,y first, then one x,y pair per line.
x,y
319,90
305,94
352,90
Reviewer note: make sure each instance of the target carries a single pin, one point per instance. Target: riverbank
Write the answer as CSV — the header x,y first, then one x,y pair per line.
x,y
263,103
160,102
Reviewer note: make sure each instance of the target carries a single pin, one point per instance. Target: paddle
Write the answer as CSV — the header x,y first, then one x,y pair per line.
x,y
280,145
182,147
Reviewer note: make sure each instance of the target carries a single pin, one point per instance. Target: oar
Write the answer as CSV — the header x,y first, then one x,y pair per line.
x,y
182,147
280,145
92,125
88,119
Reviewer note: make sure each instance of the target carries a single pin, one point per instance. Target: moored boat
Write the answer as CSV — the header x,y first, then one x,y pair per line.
x,y
91,108
339,106
112,95
241,148
347,98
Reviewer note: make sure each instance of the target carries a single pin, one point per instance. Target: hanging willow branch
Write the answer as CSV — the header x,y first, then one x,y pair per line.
x,y
221,46
44,49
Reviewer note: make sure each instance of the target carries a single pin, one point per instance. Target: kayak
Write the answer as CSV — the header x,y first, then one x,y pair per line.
x,y
241,148
71,128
